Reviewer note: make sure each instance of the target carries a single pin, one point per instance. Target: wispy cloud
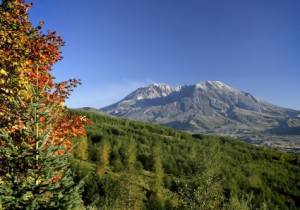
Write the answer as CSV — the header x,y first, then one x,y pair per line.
x,y
100,95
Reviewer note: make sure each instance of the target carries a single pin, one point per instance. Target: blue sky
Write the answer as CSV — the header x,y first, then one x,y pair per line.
x,y
116,46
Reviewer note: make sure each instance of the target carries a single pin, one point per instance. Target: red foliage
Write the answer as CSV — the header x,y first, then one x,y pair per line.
x,y
26,59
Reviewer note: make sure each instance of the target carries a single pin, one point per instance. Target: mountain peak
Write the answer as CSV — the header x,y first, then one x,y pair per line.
x,y
160,85
214,84
151,91
157,90
209,106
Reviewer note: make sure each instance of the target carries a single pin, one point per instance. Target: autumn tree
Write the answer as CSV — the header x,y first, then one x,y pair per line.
x,y
36,129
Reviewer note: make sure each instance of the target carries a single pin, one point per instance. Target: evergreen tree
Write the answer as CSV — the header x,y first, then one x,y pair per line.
x,y
157,166
104,154
156,200
35,127
81,149
130,154
35,174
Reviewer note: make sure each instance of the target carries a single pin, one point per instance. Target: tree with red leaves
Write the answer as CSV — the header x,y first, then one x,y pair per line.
x,y
36,129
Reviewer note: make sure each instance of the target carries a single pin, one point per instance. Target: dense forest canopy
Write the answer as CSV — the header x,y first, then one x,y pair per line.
x,y
134,165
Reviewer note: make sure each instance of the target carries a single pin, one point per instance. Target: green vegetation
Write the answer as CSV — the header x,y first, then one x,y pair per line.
x,y
134,165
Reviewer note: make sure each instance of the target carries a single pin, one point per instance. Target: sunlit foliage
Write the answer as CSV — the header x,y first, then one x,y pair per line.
x,y
169,169
36,128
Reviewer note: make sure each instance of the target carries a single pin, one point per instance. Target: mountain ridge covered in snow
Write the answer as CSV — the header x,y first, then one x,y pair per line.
x,y
209,107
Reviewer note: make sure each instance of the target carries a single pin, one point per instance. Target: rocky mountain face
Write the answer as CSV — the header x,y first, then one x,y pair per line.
x,y
212,107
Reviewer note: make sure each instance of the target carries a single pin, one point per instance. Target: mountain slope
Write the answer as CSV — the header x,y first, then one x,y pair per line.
x,y
212,107
136,165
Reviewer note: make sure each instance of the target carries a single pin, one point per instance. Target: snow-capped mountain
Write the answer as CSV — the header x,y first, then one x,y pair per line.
x,y
150,92
209,106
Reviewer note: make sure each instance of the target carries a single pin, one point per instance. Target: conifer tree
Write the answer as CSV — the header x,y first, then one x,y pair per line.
x,y
80,150
157,166
104,154
157,186
35,127
130,154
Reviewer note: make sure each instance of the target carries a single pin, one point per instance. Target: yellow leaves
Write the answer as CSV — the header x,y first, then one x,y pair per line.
x,y
15,63
6,90
25,94
27,196
28,62
26,56
14,85
3,72
5,14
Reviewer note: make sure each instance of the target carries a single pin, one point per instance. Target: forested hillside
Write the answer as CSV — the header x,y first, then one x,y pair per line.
x,y
132,165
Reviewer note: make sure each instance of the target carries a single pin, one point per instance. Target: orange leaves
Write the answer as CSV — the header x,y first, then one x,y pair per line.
x,y
38,127
56,178
42,119
17,127
26,59
60,152
67,128
40,80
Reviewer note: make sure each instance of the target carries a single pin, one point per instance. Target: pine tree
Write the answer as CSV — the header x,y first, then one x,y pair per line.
x,y
35,175
130,150
104,154
35,127
157,166
80,150
157,199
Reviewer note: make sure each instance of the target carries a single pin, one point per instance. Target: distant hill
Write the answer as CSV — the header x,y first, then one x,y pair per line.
x,y
128,164
213,107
